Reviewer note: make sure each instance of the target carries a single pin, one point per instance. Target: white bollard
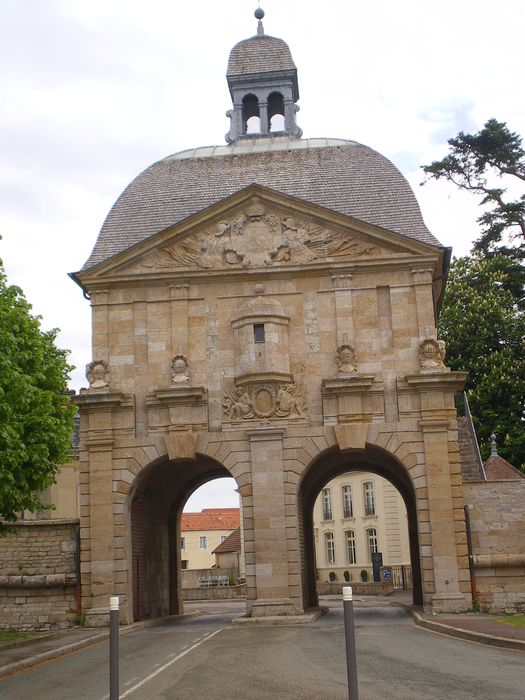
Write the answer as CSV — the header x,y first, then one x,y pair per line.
x,y
114,622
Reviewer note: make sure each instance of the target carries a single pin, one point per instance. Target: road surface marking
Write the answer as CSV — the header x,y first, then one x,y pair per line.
x,y
166,665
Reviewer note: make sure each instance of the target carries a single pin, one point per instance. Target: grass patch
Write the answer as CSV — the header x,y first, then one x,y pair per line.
x,y
10,638
514,620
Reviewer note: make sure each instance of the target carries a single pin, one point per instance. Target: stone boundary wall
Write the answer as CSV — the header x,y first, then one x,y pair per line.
x,y
38,575
497,521
190,577
214,593
371,588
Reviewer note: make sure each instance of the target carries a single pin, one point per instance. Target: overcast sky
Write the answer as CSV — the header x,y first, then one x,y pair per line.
x,y
94,91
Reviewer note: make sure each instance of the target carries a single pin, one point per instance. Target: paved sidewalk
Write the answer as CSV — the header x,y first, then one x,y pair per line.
x,y
471,626
477,627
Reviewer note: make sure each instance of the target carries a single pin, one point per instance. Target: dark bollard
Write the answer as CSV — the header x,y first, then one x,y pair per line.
x,y
351,664
114,621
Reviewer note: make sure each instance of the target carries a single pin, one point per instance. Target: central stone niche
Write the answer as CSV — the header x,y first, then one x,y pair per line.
x,y
264,386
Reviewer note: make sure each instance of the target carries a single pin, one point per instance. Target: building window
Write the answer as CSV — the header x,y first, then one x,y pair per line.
x,y
184,564
202,542
258,332
348,511
183,543
223,537
371,536
368,493
327,504
330,548
350,547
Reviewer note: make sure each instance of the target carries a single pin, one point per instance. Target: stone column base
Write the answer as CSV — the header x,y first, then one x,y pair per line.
x,y
273,607
451,602
97,617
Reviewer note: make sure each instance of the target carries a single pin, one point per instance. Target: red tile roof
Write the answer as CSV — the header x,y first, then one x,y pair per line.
x,y
231,544
211,519
498,469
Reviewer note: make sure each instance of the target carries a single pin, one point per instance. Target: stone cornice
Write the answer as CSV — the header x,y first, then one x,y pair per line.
x,y
265,432
264,377
183,395
435,381
352,384
102,401
434,425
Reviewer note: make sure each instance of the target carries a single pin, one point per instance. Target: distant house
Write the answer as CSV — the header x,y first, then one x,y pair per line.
x,y
202,533
228,553
498,469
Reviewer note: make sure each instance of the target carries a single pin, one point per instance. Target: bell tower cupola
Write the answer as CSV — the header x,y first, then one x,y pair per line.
x,y
262,78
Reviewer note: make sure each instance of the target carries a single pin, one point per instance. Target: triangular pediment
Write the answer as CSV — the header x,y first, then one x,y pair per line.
x,y
258,228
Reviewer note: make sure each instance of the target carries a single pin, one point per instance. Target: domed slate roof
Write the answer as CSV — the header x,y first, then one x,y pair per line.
x,y
259,54
343,176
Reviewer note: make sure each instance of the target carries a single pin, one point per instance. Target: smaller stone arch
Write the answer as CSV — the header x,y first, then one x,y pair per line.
x,y
332,462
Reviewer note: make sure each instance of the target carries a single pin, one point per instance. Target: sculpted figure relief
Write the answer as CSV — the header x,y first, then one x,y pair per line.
x,y
346,359
97,375
237,403
264,400
259,238
287,403
180,370
432,354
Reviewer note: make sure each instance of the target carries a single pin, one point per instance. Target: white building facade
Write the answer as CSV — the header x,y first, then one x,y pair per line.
x,y
355,515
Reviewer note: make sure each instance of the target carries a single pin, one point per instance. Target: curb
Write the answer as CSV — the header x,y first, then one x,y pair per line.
x,y
31,661
469,635
279,619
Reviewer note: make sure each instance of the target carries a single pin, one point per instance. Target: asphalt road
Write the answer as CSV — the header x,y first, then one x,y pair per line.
x,y
205,657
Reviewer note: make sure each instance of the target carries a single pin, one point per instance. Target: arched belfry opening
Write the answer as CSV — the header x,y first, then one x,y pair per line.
x,y
155,506
332,463
276,118
251,117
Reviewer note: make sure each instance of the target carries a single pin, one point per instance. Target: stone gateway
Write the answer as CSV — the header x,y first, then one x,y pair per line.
x,y
264,310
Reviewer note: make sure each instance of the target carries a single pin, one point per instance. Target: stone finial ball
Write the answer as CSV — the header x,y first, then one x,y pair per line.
x,y
259,13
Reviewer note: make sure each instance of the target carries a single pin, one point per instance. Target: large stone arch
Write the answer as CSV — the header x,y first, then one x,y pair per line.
x,y
162,476
332,462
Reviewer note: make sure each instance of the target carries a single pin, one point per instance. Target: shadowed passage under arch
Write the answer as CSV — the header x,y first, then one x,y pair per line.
x,y
157,500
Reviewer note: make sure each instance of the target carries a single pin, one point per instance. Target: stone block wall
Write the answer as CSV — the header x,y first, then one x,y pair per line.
x,y
38,575
497,518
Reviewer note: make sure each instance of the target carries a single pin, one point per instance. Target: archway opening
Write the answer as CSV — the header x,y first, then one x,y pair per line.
x,y
251,114
157,546
276,112
342,547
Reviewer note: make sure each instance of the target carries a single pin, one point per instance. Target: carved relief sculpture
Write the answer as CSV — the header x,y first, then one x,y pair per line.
x,y
346,359
97,375
432,355
259,238
180,370
264,400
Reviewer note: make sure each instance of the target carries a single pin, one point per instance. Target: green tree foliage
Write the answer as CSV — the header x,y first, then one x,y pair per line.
x,y
36,415
479,162
483,324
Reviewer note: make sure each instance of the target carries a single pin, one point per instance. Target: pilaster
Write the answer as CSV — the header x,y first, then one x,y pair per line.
x,y
98,518
271,566
448,550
